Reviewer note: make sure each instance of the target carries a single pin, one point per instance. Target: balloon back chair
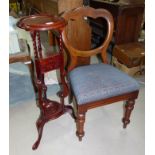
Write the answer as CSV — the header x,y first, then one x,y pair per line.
x,y
99,84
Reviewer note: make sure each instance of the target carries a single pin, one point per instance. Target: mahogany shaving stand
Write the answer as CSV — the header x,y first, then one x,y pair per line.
x,y
49,109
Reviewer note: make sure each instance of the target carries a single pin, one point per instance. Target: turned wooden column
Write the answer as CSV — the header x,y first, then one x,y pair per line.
x,y
80,120
128,109
49,109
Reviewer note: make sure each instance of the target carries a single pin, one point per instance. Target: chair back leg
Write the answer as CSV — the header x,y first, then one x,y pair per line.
x,y
128,109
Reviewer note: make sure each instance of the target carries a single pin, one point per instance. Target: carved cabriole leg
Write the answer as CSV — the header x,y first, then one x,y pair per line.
x,y
80,120
128,109
39,124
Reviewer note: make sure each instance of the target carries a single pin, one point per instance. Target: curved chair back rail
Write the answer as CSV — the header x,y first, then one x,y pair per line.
x,y
93,13
94,85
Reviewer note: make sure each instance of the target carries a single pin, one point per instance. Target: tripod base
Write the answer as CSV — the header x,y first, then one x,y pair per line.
x,y
50,111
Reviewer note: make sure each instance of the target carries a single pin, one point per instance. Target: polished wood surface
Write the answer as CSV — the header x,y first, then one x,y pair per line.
x,y
81,37
81,109
49,109
128,16
130,54
41,22
74,50
19,57
53,7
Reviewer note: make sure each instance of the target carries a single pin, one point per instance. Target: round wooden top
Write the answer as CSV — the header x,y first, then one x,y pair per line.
x,y
41,22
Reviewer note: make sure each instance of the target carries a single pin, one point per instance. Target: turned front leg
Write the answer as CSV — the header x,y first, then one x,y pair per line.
x,y
128,109
80,120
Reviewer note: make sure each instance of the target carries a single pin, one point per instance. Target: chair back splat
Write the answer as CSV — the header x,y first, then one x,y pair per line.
x,y
82,14
94,85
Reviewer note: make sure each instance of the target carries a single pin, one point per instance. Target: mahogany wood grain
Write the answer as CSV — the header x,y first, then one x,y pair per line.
x,y
128,16
52,7
128,109
80,120
80,13
49,109
58,7
74,52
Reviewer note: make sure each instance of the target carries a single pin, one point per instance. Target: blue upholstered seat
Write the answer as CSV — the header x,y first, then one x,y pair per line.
x,y
100,81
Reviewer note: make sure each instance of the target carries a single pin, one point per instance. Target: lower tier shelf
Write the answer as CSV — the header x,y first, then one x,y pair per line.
x,y
51,109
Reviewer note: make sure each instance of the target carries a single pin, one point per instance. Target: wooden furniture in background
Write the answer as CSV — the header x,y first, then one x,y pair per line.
x,y
58,7
128,16
129,57
96,84
45,62
130,54
24,57
54,7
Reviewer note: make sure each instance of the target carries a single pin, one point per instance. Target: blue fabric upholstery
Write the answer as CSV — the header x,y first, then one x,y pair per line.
x,y
100,81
